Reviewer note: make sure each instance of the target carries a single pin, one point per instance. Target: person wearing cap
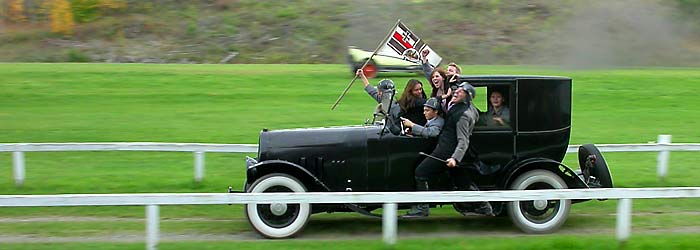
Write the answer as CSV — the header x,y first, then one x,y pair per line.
x,y
453,143
387,107
465,125
434,121
385,85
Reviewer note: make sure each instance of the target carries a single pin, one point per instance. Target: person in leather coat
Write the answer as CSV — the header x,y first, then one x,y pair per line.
x,y
453,143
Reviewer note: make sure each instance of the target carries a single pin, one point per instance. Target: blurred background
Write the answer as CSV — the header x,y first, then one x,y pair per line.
x,y
578,34
634,64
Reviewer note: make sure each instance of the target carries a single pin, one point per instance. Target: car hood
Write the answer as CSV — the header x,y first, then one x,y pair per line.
x,y
280,144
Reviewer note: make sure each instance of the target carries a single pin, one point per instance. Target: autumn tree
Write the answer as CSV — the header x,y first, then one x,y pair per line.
x,y
2,10
113,4
85,11
61,17
15,11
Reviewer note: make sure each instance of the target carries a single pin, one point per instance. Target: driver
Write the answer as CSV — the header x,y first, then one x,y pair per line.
x,y
388,107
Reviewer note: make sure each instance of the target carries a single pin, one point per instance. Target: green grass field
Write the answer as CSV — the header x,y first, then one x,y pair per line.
x,y
232,103
566,242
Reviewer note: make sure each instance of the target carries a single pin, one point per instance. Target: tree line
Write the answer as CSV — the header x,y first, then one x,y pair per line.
x,y
61,15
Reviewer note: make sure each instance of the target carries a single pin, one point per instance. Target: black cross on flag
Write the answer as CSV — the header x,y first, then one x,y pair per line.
x,y
404,44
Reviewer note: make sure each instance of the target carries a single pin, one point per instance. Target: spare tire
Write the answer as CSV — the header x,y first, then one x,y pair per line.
x,y
599,168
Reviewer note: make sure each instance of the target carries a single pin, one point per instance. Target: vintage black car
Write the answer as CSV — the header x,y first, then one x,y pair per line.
x,y
525,153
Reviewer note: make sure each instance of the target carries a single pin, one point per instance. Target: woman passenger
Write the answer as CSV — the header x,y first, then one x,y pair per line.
x,y
440,91
412,100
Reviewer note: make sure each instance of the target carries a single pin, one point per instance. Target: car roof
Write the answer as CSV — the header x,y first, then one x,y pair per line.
x,y
508,77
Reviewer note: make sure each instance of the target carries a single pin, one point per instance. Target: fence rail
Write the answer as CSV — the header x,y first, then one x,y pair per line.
x,y
130,146
389,199
663,146
341,197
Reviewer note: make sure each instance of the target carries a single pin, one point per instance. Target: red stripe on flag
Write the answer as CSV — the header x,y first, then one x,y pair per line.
x,y
398,37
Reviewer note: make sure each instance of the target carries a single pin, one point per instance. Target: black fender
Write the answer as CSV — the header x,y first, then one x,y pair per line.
x,y
569,176
263,168
309,180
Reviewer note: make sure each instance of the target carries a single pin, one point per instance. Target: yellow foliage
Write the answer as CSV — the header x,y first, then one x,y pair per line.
x,y
61,17
113,4
15,11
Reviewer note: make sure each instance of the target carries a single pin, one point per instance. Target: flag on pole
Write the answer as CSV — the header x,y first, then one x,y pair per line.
x,y
404,44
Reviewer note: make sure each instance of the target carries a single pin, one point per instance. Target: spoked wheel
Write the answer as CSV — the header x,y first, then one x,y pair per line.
x,y
277,220
539,216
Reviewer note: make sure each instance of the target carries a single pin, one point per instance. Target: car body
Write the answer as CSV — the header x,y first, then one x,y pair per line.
x,y
379,63
525,154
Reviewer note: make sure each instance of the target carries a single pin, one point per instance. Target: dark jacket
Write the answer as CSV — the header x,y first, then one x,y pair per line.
x,y
415,113
447,141
464,131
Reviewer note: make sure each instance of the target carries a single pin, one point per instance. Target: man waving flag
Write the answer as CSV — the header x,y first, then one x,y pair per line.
x,y
404,44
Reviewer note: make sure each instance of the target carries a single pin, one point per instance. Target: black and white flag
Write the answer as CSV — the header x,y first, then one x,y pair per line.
x,y
404,44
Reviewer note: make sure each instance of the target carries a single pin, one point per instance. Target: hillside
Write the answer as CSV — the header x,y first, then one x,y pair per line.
x,y
597,33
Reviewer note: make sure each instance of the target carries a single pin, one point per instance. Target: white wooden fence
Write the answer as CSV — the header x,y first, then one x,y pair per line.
x,y
663,146
198,149
389,199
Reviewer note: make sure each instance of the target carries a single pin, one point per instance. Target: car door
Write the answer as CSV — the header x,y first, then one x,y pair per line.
x,y
403,158
392,160
493,143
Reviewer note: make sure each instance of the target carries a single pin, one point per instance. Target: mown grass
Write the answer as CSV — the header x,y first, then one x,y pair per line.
x,y
232,103
639,242
331,225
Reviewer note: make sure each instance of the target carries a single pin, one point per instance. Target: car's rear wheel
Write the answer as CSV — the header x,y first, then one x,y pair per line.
x,y
277,220
539,216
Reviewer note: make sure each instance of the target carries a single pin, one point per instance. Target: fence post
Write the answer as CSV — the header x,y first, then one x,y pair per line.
x,y
18,167
662,159
152,227
624,219
389,223
198,166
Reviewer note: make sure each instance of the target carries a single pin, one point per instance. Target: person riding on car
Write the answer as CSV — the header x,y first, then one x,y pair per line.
x,y
453,143
434,121
412,100
387,109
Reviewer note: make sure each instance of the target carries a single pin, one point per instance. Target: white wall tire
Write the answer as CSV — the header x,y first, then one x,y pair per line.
x,y
277,220
542,216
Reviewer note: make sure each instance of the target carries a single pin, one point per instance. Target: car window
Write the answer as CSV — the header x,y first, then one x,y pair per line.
x,y
480,101
493,102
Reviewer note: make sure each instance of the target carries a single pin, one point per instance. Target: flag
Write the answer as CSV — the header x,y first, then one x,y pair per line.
x,y
404,44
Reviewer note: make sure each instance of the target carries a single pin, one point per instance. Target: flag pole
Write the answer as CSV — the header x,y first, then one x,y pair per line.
x,y
366,62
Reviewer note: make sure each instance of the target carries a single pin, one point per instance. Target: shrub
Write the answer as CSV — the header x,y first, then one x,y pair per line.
x,y
75,55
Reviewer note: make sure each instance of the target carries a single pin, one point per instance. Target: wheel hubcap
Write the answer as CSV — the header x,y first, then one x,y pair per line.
x,y
539,211
540,204
278,208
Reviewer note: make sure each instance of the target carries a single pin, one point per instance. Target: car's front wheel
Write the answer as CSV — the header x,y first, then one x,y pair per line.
x,y
539,216
277,220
